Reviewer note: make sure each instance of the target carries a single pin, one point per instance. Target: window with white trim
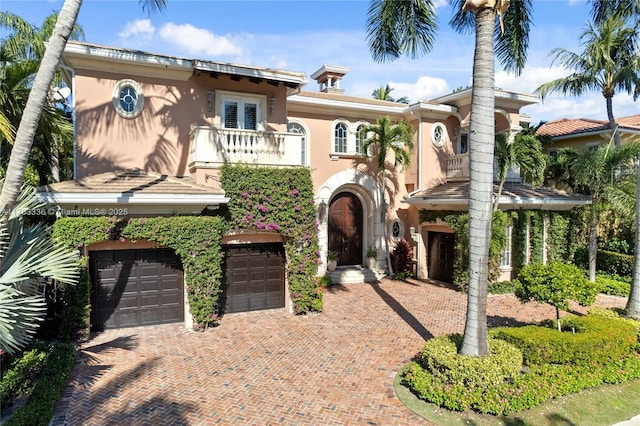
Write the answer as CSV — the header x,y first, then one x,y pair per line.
x,y
464,143
127,98
340,135
296,128
553,153
238,111
505,260
360,138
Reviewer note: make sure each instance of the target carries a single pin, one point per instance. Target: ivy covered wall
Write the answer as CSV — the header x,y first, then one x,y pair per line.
x,y
196,239
527,229
274,199
281,200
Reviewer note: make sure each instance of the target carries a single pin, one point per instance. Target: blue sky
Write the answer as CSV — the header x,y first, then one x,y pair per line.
x,y
302,35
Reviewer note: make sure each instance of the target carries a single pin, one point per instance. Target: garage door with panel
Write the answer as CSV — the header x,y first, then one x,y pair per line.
x,y
135,287
254,277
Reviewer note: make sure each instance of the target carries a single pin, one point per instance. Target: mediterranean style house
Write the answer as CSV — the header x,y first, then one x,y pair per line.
x,y
152,132
585,133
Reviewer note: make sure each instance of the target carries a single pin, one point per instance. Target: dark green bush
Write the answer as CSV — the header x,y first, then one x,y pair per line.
x,y
597,340
608,262
440,357
502,287
18,379
47,388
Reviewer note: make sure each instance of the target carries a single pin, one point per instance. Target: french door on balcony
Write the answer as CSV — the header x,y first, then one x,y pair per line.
x,y
240,113
345,228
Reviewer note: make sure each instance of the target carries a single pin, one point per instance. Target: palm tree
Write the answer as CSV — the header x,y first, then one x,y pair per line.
x,y
608,63
408,27
630,10
386,139
525,152
27,257
383,93
64,27
596,173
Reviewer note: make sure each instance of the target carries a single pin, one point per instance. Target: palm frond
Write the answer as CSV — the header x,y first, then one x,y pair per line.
x,y
395,28
19,318
512,45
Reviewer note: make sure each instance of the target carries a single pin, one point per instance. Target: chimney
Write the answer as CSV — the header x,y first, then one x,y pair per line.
x,y
328,78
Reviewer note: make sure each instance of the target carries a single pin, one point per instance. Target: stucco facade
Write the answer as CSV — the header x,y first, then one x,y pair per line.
x,y
191,116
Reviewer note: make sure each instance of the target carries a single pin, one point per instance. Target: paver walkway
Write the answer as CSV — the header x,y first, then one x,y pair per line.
x,y
262,368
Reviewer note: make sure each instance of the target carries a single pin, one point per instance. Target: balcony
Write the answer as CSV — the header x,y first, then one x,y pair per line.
x,y
458,169
211,147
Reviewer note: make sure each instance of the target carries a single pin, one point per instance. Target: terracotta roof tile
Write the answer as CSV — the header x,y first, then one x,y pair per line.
x,y
130,181
574,126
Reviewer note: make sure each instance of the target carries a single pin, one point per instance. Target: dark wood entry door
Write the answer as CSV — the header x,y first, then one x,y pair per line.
x,y
441,256
345,228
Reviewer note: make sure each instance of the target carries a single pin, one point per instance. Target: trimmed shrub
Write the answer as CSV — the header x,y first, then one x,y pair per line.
x,y
613,287
597,340
539,384
608,262
555,284
502,287
440,357
45,394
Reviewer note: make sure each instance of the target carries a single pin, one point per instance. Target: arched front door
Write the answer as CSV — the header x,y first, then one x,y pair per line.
x,y
345,228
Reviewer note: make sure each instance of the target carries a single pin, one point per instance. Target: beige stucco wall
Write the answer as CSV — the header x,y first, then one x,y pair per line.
x,y
158,139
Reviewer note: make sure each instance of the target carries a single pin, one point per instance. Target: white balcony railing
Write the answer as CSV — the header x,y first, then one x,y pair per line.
x,y
215,146
458,169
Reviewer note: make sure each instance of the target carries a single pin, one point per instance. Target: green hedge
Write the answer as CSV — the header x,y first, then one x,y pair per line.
x,y
597,340
45,394
613,287
608,262
539,384
18,379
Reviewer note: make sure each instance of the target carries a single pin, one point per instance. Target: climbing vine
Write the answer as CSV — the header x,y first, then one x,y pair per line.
x,y
459,222
280,200
196,239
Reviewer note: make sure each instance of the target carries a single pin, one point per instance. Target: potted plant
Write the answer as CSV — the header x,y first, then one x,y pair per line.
x,y
332,260
372,257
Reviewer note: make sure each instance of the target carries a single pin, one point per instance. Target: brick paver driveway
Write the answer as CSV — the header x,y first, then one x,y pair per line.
x,y
271,367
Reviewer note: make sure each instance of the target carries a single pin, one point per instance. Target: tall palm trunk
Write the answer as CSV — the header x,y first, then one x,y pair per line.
x,y
593,241
480,185
632,309
612,121
35,103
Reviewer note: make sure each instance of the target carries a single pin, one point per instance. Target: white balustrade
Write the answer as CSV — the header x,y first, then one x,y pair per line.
x,y
211,146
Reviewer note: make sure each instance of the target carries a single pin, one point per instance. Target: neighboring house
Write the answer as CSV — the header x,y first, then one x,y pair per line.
x,y
585,133
152,131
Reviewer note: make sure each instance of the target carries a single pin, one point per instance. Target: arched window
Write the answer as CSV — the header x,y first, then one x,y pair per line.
x,y
340,138
360,138
296,128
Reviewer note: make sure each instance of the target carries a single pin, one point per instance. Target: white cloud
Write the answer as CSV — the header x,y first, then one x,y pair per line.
x,y
530,79
141,29
425,88
199,41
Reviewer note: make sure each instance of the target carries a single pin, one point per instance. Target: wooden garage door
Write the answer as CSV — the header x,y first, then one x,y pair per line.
x,y
135,287
254,277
